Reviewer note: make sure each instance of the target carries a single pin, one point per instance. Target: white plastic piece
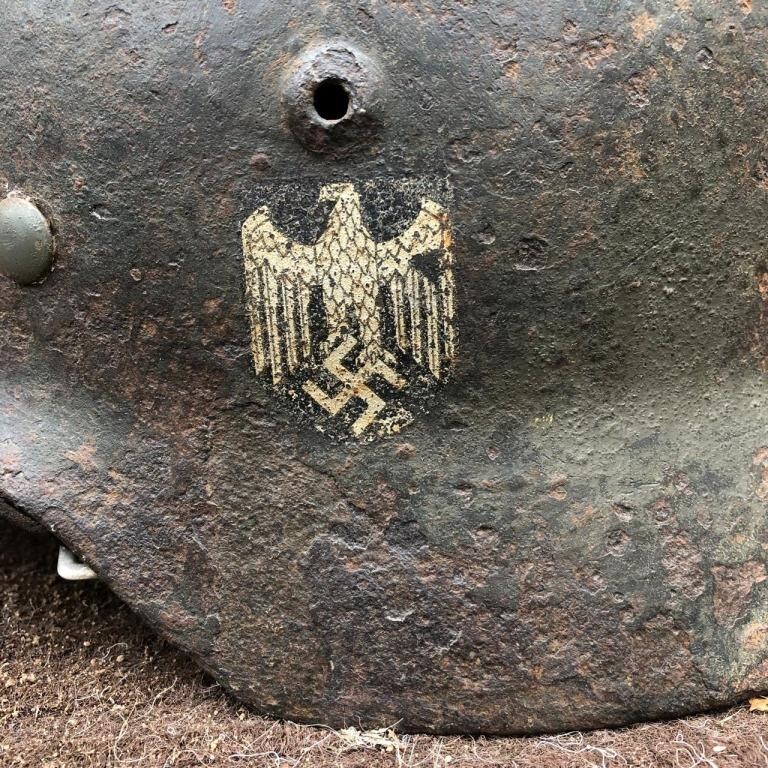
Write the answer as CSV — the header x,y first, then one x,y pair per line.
x,y
71,569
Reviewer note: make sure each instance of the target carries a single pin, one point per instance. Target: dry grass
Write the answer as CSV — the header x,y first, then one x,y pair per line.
x,y
83,683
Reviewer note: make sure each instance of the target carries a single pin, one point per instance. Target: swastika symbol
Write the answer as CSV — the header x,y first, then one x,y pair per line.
x,y
355,386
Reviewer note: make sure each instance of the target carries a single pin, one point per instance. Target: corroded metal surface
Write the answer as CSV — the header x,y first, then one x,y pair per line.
x,y
571,533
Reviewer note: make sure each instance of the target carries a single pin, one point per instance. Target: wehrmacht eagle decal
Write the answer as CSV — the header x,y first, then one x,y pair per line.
x,y
346,325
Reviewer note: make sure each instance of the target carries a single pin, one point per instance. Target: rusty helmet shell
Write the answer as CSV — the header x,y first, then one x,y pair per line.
x,y
570,529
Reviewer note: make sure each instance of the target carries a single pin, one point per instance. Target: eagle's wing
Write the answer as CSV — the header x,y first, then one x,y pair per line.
x,y
422,302
278,275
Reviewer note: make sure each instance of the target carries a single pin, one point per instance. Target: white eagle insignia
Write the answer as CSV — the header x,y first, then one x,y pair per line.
x,y
347,324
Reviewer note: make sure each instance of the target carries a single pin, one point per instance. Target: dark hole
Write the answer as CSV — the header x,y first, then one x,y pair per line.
x,y
331,100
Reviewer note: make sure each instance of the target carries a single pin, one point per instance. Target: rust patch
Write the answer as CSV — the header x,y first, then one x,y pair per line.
x,y
754,636
260,162
597,50
760,462
505,52
759,346
199,53
638,87
643,25
212,306
733,586
512,71
177,618
661,643
230,6
627,162
682,562
83,456
617,542
148,330
559,493
10,461
758,172
405,451
754,680
581,515
677,42
115,19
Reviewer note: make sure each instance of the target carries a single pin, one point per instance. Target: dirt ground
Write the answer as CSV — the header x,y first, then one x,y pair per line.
x,y
84,683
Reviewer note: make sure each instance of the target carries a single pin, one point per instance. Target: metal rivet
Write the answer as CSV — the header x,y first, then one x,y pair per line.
x,y
26,241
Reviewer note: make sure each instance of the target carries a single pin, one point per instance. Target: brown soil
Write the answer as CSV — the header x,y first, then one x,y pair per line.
x,y
84,683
